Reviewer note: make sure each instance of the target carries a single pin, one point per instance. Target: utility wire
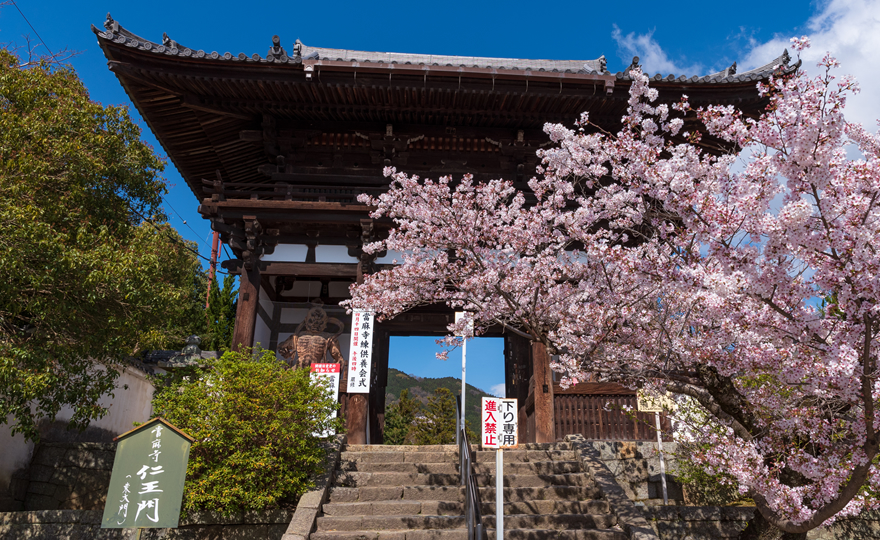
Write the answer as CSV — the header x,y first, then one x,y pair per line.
x,y
32,27
174,240
183,220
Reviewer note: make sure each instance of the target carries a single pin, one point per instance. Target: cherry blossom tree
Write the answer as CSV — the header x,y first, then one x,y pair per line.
x,y
640,257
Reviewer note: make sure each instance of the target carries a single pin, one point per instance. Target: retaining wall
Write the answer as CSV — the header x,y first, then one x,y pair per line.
x,y
86,524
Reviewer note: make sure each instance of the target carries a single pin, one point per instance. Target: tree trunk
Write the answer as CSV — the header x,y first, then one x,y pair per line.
x,y
760,529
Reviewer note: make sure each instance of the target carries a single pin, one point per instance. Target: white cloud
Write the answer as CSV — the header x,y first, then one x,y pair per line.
x,y
850,30
498,390
652,57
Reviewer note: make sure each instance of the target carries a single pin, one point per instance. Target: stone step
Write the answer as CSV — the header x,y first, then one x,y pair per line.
x,y
366,479
459,534
402,448
553,521
456,493
451,467
454,508
557,446
432,456
511,522
388,523
549,534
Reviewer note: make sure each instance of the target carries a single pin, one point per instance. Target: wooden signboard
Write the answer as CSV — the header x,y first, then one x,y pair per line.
x,y
146,485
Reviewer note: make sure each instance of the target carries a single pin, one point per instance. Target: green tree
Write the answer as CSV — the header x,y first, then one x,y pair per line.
x,y
400,418
83,282
253,419
437,425
222,303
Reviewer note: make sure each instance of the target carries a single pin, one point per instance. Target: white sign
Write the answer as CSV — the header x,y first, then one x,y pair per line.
x,y
330,373
499,423
360,355
469,331
648,403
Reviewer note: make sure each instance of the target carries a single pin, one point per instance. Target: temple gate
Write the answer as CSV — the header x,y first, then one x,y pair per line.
x,y
277,147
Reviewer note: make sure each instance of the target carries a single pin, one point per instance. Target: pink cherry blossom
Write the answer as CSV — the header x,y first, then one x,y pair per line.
x,y
647,261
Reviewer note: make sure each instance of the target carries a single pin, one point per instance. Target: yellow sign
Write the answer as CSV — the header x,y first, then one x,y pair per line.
x,y
649,403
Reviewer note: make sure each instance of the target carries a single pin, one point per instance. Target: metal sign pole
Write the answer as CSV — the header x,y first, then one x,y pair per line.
x,y
499,494
463,372
662,460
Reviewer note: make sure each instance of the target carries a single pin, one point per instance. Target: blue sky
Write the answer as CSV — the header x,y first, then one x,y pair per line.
x,y
689,38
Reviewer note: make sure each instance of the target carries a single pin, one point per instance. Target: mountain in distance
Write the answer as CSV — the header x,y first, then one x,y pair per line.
x,y
422,388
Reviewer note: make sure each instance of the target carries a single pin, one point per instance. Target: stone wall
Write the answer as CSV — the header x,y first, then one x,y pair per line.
x,y
82,524
636,467
130,403
714,522
69,476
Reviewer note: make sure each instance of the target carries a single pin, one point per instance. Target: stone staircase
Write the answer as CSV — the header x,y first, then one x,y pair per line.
x,y
414,493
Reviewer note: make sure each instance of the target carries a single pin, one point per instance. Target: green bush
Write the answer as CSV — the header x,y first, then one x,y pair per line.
x,y
253,420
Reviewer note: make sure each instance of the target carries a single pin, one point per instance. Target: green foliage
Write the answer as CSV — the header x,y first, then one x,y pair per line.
x,y
82,284
253,419
421,389
399,420
222,303
437,424
701,488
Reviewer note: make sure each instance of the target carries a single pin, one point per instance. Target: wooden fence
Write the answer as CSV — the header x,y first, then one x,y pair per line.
x,y
602,417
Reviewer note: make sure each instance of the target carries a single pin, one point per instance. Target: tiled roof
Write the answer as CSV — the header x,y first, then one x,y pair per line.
x,y
113,31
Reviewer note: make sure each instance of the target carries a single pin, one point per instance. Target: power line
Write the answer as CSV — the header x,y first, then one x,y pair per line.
x,y
32,27
183,220
180,242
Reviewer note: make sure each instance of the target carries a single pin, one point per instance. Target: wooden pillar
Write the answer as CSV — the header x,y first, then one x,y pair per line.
x,y
356,419
544,421
248,304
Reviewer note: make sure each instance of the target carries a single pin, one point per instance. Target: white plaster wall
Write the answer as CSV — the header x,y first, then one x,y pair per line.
x,y
287,253
125,407
262,333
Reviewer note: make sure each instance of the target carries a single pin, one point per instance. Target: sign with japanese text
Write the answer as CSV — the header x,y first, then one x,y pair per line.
x,y
146,485
499,423
649,403
360,354
330,373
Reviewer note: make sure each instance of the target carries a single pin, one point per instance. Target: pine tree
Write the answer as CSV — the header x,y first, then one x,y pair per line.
x,y
437,425
222,303
400,418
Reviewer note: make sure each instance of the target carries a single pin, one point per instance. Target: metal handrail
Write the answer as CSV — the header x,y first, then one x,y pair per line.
x,y
473,514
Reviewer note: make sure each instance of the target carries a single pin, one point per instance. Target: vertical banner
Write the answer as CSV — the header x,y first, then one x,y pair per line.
x,y
330,373
499,423
360,353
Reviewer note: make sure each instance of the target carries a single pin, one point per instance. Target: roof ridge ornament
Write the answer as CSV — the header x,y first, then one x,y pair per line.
x,y
635,65
603,64
110,25
168,42
276,51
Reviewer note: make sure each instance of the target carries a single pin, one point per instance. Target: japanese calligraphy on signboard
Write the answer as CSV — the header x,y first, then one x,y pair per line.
x,y
146,485
360,353
329,373
648,403
499,423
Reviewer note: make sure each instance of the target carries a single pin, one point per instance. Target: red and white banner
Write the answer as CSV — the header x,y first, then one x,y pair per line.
x,y
360,353
499,423
330,373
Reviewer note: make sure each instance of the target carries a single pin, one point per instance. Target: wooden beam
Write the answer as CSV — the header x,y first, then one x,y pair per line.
x,y
544,421
596,389
246,314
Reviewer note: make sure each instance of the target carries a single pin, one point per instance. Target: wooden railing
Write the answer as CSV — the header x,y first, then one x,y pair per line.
x,y
602,417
